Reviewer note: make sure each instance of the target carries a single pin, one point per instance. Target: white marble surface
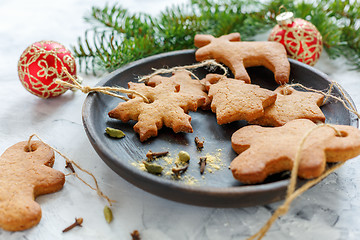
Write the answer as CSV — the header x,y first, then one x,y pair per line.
x,y
329,210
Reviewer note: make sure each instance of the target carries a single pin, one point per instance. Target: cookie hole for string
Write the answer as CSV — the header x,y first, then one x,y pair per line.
x,y
177,88
286,91
341,134
30,148
149,100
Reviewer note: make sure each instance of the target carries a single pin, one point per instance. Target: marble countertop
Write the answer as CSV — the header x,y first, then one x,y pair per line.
x,y
329,210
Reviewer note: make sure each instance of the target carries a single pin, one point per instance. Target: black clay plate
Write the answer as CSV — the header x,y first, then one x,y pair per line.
x,y
216,189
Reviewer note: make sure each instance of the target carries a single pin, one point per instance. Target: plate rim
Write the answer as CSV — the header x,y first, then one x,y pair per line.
x,y
149,179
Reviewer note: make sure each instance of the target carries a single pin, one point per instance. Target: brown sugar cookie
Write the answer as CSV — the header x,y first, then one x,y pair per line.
x,y
264,151
168,106
187,85
290,105
237,55
234,100
24,176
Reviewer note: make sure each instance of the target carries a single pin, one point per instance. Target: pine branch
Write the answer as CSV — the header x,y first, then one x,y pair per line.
x,y
118,37
176,28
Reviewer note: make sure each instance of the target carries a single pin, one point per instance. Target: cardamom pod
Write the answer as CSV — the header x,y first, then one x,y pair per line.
x,y
153,167
115,133
184,156
108,214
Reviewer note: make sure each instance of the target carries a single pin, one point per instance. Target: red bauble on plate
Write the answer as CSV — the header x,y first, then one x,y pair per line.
x,y
41,63
303,42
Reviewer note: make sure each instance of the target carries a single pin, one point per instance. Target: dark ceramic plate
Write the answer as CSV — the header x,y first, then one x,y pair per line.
x,y
216,189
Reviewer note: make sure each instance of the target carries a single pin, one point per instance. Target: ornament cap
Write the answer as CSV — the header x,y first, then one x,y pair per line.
x,y
285,18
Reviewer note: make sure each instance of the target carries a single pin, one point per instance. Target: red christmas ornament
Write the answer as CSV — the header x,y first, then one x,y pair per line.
x,y
41,63
300,38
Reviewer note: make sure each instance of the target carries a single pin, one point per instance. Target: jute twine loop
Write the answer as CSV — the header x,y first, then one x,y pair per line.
x,y
345,102
68,160
105,90
210,63
110,90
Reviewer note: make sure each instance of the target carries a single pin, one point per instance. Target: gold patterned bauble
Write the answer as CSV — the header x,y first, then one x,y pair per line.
x,y
303,42
41,63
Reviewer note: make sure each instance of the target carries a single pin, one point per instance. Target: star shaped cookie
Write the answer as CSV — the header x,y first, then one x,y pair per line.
x,y
168,106
237,55
291,104
264,151
234,99
187,85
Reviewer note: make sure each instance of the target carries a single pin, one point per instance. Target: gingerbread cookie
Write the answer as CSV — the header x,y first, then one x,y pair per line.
x,y
168,106
237,55
290,105
187,85
234,100
265,151
24,176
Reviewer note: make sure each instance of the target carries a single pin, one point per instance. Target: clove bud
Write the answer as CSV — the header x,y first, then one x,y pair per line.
x,y
199,144
150,154
179,170
202,163
69,165
78,222
135,235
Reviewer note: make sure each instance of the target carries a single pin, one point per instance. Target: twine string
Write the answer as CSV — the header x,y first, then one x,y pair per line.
x,y
210,62
327,96
291,193
68,160
345,102
282,7
110,90
105,90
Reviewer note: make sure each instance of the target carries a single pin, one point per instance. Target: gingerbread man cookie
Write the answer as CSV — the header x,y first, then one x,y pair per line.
x,y
25,175
290,105
187,85
168,106
237,55
264,151
234,100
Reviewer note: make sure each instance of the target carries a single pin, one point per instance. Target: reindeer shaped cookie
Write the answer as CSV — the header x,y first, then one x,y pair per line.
x,y
24,175
237,55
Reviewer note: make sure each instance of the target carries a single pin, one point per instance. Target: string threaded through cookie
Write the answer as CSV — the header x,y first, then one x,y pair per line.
x,y
105,90
96,188
291,193
345,102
